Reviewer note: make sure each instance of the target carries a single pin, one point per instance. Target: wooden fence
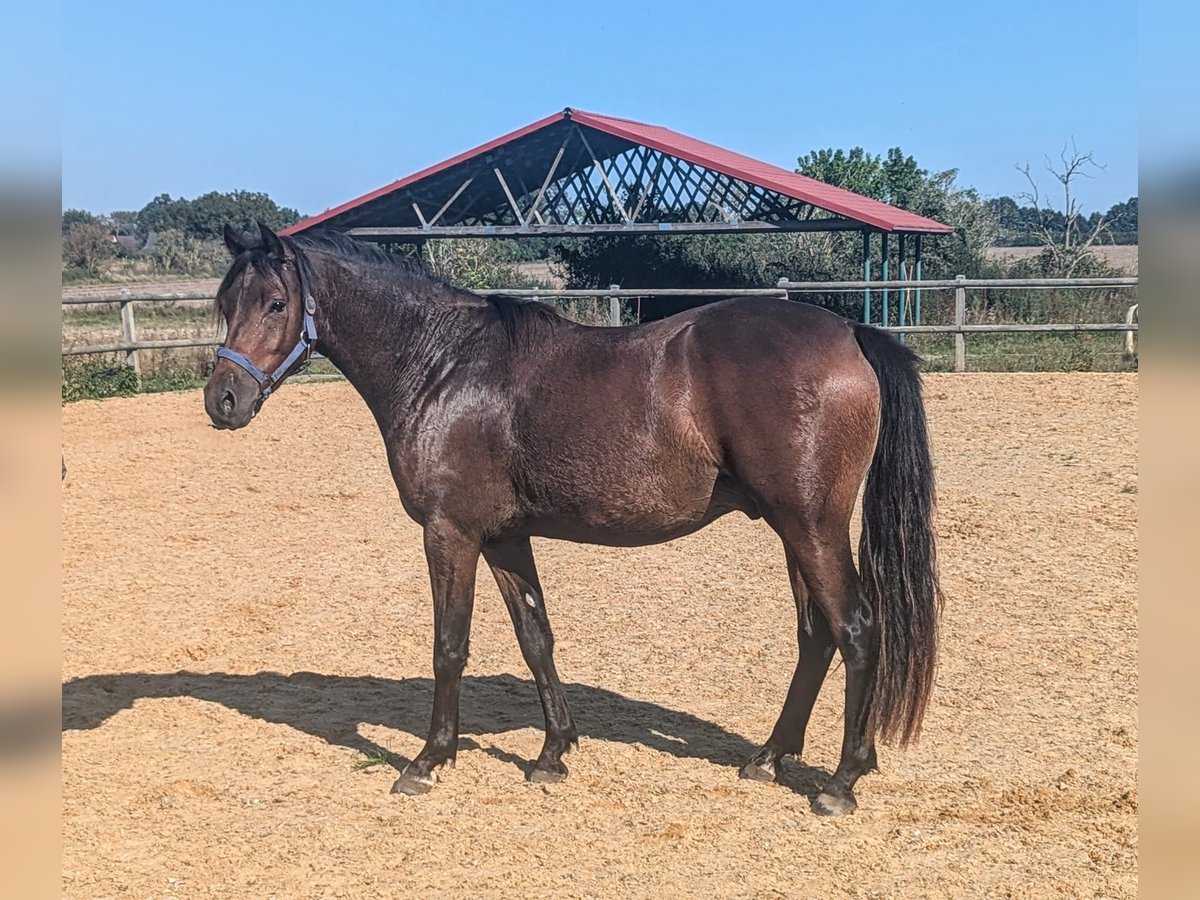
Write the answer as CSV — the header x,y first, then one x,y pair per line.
x,y
908,293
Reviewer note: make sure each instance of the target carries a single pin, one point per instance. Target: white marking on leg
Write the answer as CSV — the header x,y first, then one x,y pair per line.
x,y
531,600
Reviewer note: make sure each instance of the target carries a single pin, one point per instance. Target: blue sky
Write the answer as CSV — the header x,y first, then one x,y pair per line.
x,y
317,102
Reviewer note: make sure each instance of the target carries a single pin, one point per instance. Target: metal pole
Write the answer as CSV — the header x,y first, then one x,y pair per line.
x,y
886,293
960,319
614,307
866,266
917,299
903,277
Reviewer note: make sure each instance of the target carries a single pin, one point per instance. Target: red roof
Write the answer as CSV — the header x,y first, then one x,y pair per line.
x,y
840,201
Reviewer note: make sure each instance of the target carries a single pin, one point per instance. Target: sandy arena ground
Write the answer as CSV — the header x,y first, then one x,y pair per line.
x,y
246,616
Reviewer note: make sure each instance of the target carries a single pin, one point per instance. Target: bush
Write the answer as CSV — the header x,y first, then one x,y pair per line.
x,y
87,246
96,379
473,265
175,379
177,253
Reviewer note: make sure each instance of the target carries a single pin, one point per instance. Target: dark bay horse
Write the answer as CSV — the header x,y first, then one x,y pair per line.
x,y
502,421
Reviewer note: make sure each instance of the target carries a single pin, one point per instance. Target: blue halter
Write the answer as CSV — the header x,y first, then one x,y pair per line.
x,y
297,358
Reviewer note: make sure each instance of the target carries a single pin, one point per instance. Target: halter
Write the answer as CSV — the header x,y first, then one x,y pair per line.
x,y
300,353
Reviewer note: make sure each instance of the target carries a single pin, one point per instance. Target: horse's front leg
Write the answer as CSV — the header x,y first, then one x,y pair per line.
x,y
452,556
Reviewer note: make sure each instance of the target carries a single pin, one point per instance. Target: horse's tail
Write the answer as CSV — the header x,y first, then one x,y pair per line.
x,y
896,553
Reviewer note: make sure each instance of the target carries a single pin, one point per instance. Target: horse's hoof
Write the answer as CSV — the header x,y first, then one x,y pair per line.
x,y
547,776
414,785
756,771
834,805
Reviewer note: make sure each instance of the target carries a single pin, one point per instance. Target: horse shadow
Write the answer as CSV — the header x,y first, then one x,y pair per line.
x,y
333,707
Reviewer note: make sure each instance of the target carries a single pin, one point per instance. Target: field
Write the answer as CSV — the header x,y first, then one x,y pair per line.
x,y
247,656
1119,256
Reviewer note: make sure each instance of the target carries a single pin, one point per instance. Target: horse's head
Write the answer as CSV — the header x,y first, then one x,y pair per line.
x,y
267,308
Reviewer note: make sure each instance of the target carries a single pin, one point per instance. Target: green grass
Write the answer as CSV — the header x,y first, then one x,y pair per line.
x,y
148,315
1028,352
376,757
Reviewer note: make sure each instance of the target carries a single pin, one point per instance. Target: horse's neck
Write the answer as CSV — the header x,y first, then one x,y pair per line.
x,y
381,338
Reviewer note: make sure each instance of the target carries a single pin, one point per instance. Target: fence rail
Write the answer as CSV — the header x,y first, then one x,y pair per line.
x,y
130,345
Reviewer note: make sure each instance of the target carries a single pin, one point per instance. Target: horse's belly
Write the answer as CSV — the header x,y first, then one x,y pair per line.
x,y
639,514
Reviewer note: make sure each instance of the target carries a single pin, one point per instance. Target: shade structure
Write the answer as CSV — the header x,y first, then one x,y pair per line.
x,y
581,173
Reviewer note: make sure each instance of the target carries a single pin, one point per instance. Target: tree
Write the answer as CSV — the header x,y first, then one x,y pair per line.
x,y
897,179
160,214
208,213
205,217
78,217
124,221
87,245
855,171
1066,249
1123,221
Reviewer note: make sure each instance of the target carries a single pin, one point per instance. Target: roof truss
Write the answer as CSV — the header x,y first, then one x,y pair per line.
x,y
563,177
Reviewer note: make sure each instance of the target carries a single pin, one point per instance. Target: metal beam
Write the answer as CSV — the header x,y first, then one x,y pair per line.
x,y
533,213
511,202
941,284
486,231
604,175
533,210
650,185
445,206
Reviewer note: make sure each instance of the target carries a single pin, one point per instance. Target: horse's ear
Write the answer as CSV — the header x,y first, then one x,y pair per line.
x,y
270,241
237,243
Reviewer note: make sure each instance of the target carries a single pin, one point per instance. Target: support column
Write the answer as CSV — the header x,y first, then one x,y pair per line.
x,y
886,293
866,267
917,273
903,277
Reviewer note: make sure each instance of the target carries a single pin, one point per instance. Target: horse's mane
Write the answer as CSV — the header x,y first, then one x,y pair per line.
x,y
346,248
518,316
521,316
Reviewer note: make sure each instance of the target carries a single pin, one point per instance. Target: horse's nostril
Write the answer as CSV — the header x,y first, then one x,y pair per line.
x,y
228,402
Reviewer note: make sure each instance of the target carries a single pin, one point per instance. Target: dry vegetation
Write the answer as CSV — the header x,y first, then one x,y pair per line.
x,y
247,624
1119,256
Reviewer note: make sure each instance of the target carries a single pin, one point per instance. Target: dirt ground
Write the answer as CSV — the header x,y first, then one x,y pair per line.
x,y
246,620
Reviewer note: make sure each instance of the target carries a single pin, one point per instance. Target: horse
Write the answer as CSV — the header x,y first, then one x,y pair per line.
x,y
503,420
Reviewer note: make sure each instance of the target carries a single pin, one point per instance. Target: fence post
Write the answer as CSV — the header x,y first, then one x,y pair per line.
x,y
1130,340
614,307
960,319
129,333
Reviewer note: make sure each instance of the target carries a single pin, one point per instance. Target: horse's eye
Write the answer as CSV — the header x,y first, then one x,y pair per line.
x,y
278,306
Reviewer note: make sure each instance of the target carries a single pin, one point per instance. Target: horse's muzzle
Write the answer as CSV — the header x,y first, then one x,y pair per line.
x,y
230,401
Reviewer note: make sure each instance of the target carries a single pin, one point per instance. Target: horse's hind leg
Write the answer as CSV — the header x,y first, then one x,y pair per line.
x,y
822,570
816,651
828,570
512,564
